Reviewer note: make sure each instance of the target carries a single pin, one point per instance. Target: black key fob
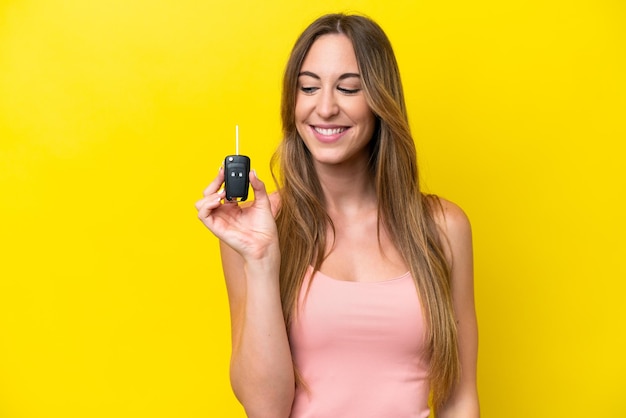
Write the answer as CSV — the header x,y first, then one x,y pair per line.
x,y
236,177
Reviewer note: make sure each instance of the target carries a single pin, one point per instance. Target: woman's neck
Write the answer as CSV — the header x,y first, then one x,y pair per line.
x,y
347,188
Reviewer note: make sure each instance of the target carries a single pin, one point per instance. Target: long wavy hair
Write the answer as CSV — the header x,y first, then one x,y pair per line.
x,y
403,210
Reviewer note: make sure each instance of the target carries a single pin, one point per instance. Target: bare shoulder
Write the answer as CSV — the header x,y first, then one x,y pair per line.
x,y
449,216
454,226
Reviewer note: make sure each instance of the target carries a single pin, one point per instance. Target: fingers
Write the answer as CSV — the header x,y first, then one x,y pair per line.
x,y
209,203
217,182
212,196
261,198
260,193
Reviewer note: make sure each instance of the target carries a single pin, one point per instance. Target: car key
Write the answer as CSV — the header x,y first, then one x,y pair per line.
x,y
236,173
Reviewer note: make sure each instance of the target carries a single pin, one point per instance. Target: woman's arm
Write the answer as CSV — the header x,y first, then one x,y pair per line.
x,y
463,401
261,371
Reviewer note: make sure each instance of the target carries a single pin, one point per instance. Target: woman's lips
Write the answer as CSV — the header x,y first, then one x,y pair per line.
x,y
328,134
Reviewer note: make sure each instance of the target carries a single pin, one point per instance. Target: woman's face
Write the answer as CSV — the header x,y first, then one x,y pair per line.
x,y
332,115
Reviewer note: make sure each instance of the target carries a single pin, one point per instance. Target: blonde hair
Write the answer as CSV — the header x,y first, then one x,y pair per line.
x,y
405,213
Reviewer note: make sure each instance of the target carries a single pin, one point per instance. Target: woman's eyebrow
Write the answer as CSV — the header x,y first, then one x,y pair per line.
x,y
317,77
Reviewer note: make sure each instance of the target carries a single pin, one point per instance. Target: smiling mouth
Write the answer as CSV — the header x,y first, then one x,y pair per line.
x,y
329,131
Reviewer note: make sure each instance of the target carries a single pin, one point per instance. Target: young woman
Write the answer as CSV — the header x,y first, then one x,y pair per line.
x,y
351,292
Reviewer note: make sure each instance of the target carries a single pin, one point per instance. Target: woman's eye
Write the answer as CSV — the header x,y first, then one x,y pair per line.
x,y
348,91
308,90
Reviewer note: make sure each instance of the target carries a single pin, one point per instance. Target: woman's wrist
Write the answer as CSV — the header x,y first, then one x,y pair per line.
x,y
263,263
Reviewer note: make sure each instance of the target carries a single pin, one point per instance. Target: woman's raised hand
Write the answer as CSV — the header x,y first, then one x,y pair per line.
x,y
248,228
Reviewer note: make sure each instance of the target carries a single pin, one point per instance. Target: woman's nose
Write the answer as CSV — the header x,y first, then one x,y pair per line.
x,y
327,105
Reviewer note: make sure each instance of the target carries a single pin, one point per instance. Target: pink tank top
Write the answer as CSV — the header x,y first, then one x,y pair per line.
x,y
359,349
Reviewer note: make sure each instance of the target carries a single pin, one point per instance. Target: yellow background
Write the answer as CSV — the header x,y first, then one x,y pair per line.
x,y
115,114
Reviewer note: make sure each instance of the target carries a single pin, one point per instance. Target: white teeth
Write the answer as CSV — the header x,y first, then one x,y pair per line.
x,y
332,131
